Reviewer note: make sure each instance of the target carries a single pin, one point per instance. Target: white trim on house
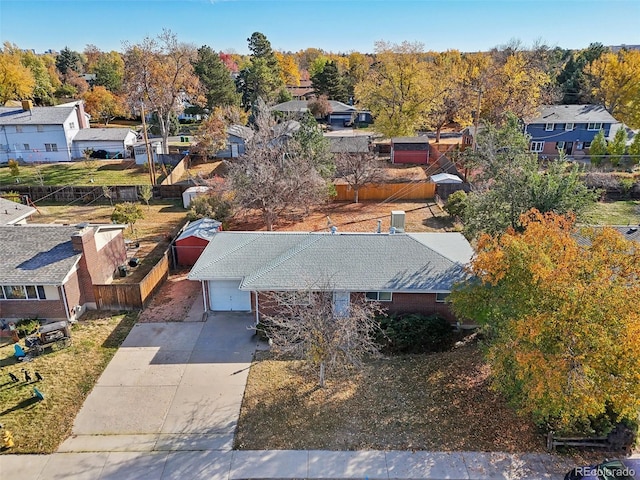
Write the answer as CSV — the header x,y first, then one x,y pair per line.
x,y
536,146
594,126
549,127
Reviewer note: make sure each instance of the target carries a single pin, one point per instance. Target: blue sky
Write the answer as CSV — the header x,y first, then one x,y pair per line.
x,y
333,25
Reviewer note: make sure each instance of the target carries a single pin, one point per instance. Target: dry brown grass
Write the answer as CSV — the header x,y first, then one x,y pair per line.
x,y
69,375
356,217
421,402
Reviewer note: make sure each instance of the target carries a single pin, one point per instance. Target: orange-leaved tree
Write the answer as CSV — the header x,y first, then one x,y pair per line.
x,y
562,321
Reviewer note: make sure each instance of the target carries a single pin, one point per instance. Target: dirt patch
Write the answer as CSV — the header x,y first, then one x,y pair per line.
x,y
355,217
173,300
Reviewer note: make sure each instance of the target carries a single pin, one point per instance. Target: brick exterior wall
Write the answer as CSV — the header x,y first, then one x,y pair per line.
x,y
422,303
96,267
43,309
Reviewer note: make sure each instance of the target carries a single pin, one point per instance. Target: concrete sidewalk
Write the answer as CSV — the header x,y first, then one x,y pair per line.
x,y
283,464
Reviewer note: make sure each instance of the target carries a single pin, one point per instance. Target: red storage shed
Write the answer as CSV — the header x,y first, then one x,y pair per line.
x,y
194,239
410,150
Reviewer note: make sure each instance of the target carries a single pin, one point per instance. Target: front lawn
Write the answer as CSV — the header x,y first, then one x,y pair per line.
x,y
622,212
107,172
423,402
68,377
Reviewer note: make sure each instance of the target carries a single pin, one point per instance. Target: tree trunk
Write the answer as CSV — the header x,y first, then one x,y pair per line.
x,y
322,375
438,130
163,122
355,194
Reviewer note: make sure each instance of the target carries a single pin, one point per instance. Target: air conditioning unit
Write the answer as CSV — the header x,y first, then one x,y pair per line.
x,y
397,220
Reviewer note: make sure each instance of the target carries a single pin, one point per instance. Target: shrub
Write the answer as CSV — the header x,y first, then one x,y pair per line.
x,y
457,204
415,333
14,167
210,206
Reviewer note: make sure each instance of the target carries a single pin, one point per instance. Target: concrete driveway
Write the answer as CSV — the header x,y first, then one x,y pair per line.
x,y
170,387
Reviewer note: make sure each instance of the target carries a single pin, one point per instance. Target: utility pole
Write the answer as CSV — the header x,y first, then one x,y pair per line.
x,y
152,166
476,121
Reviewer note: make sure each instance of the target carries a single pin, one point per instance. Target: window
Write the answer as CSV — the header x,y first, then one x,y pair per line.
x,y
72,125
594,126
51,147
569,126
26,147
18,128
580,146
22,292
587,144
537,146
549,127
441,297
560,146
378,296
40,128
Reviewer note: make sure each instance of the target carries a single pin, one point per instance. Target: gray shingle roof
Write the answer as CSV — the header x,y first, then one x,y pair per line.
x,y
35,116
103,134
422,262
301,106
630,232
572,114
351,144
36,254
240,131
12,212
418,139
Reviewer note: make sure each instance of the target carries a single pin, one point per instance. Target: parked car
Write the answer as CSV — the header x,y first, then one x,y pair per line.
x,y
626,469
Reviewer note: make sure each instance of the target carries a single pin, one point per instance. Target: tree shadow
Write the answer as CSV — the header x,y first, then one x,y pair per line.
x,y
28,402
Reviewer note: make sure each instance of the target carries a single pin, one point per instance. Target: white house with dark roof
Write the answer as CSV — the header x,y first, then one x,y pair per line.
x,y
13,213
407,273
40,134
117,142
341,113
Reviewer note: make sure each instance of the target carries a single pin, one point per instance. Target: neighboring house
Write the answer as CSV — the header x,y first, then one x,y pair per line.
x,y
13,213
410,150
117,142
341,113
40,134
568,127
193,240
407,273
48,271
353,144
629,232
304,91
237,136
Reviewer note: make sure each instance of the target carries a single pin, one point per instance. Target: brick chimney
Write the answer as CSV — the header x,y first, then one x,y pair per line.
x,y
88,272
82,117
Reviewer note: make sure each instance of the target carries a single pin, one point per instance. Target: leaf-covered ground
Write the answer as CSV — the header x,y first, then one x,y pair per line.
x,y
421,402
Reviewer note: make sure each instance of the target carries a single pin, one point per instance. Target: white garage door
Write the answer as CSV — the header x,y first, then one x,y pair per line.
x,y
225,296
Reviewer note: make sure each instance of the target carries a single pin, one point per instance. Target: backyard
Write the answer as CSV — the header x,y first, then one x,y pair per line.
x,y
102,172
68,376
621,212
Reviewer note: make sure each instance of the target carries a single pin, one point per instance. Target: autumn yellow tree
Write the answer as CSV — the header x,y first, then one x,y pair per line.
x,y
289,72
16,80
614,81
102,104
159,72
398,89
561,319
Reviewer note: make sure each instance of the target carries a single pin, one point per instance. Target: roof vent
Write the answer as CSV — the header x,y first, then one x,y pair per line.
x,y
334,230
379,229
392,230
82,225
27,105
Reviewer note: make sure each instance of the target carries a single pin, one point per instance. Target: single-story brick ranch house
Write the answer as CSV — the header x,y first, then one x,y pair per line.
x,y
48,271
405,272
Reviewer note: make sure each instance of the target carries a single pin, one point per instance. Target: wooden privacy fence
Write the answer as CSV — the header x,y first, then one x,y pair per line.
x,y
177,172
391,191
132,296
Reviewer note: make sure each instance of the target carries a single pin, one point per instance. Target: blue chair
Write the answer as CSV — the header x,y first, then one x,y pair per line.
x,y
18,352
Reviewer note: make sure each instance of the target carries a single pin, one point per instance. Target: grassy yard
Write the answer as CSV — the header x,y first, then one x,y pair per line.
x,y
623,212
68,377
433,402
107,172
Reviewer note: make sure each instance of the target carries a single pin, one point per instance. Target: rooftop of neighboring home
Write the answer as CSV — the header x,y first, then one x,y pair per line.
x,y
13,212
349,144
240,131
418,139
415,262
103,134
301,106
39,254
629,232
572,114
35,116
